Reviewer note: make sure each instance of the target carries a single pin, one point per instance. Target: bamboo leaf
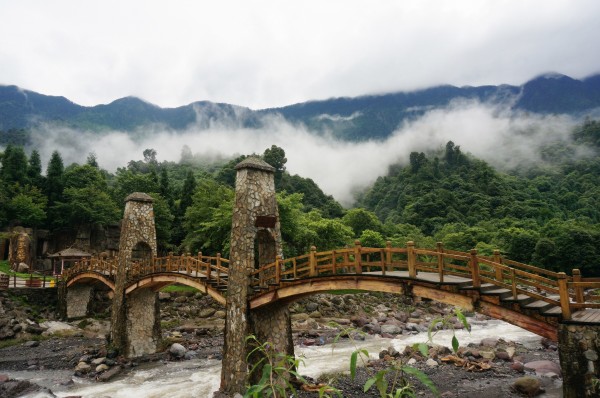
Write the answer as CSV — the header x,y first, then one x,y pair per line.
x,y
454,343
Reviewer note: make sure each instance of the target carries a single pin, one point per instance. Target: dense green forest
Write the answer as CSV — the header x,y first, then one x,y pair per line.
x,y
547,214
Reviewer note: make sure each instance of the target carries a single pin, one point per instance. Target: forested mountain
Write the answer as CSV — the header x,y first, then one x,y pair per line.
x,y
356,119
547,214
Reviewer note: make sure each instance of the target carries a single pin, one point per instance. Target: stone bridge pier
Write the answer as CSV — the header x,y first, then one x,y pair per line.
x,y
135,323
255,241
78,300
578,348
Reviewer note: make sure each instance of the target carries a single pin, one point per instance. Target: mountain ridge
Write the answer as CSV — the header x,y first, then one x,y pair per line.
x,y
350,118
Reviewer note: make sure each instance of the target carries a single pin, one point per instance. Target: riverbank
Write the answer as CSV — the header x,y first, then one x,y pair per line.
x,y
192,330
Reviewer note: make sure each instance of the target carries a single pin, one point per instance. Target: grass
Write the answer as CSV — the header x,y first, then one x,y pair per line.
x,y
5,268
178,288
12,342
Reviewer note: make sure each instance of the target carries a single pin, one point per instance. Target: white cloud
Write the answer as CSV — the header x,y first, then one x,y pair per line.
x,y
270,53
338,167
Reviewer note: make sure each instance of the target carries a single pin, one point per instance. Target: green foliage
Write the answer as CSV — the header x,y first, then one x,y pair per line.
x,y
400,386
276,370
360,219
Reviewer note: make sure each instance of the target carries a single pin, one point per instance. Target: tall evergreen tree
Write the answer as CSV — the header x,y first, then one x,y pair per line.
x,y
14,166
54,179
34,170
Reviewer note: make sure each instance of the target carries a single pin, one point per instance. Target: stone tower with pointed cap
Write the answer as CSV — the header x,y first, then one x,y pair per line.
x,y
255,241
137,242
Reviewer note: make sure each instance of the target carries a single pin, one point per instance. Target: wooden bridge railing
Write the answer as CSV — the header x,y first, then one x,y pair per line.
x,y
205,267
104,266
521,279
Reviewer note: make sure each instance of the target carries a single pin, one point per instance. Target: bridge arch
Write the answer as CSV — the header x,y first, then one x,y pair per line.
x,y
91,277
468,300
158,281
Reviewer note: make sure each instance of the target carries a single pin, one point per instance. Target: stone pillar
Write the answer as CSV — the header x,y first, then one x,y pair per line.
x,y
255,224
137,231
578,347
78,300
143,322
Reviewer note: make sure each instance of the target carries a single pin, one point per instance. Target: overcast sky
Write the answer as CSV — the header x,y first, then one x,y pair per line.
x,y
273,53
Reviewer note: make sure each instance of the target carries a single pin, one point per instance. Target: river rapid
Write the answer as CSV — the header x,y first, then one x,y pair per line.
x,y
201,377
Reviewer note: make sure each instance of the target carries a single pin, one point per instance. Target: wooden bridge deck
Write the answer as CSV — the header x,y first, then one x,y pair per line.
x,y
456,277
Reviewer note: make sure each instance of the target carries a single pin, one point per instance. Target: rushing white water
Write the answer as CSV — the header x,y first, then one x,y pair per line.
x,y
200,378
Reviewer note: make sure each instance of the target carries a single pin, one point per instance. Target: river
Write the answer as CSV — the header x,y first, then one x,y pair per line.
x,y
200,377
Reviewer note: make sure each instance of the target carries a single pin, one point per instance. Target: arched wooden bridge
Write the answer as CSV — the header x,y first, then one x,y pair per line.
x,y
533,298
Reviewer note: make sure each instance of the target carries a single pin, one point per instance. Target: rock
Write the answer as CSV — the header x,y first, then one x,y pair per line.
x,y
207,312
372,328
518,366
502,355
34,329
82,367
527,385
181,299
315,315
300,317
23,268
391,329
411,361
101,368
106,376
432,363
32,343
4,378
220,314
311,307
177,350
489,342
393,352
164,296
99,361
543,366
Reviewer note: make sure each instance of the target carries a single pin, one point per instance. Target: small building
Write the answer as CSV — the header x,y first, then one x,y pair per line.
x,y
64,259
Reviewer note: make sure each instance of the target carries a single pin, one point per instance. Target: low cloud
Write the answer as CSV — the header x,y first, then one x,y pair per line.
x,y
340,168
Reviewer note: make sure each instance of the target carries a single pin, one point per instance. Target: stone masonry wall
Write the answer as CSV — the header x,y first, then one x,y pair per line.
x,y
143,317
78,301
578,350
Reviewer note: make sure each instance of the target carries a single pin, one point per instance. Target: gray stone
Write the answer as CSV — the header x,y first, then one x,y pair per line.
x,y
32,343
432,363
99,361
82,367
391,329
177,350
207,312
591,355
23,268
106,376
101,368
543,366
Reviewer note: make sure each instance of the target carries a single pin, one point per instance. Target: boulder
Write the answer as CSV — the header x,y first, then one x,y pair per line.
x,y
101,368
23,268
528,385
82,367
207,312
542,367
177,350
106,376
391,329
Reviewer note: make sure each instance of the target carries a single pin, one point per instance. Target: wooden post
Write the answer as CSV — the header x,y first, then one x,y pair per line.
x,y
498,260
277,269
312,262
357,259
333,262
388,256
218,268
412,263
563,290
440,259
169,261
382,258
475,269
513,280
578,289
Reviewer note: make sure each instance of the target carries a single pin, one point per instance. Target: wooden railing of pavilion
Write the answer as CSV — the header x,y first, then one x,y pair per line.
x,y
556,288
